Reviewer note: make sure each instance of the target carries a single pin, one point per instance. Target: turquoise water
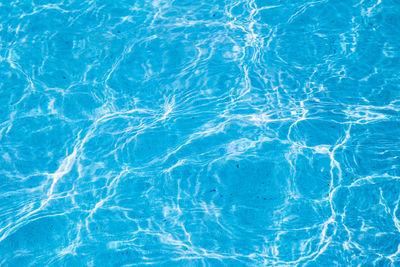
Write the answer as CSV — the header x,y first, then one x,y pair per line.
x,y
199,133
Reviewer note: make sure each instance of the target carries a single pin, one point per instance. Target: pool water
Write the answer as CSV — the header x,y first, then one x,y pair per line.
x,y
199,133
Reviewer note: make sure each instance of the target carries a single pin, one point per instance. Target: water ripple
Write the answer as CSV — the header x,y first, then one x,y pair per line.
x,y
175,133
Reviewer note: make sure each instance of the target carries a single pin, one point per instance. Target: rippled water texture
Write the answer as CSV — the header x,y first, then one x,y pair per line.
x,y
199,133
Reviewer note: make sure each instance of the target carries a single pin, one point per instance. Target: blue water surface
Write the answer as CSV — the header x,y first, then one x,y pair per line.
x,y
199,133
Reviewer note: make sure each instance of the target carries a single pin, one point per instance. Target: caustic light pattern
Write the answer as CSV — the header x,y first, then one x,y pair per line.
x,y
199,133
